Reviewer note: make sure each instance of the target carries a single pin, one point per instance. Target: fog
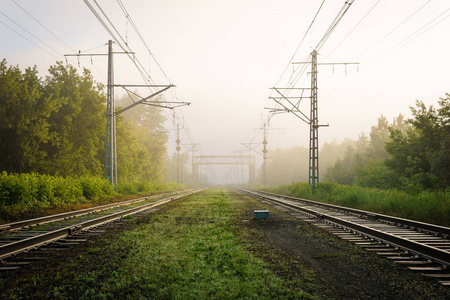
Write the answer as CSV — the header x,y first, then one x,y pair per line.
x,y
224,56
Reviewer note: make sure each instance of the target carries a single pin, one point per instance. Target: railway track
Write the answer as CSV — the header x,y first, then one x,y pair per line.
x,y
420,246
31,234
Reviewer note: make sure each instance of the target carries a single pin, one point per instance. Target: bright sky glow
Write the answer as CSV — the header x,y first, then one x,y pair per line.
x,y
225,55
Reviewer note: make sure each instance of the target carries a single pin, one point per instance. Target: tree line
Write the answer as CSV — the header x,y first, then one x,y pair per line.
x,y
409,154
56,125
412,154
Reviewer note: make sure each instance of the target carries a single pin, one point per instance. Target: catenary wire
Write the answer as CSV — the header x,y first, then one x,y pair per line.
x,y
357,24
30,34
412,34
51,54
390,32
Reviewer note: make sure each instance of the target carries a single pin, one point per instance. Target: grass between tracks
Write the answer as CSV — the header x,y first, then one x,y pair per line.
x,y
191,249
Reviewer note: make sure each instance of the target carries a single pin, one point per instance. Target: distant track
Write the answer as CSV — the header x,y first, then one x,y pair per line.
x,y
21,236
423,247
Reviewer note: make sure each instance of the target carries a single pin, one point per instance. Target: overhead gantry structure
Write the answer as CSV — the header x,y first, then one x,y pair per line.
x,y
206,160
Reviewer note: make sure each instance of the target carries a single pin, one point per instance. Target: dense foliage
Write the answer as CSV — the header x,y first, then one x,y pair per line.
x,y
426,206
56,126
412,155
28,195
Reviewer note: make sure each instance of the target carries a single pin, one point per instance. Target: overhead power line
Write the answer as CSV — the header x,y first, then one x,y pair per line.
x,y
357,24
412,34
398,26
121,42
301,42
43,26
334,24
30,41
24,29
127,15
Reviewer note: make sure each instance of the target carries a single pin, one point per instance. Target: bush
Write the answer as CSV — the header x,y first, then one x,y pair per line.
x,y
29,195
426,206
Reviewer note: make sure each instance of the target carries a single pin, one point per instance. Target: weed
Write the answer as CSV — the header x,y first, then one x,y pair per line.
x,y
426,206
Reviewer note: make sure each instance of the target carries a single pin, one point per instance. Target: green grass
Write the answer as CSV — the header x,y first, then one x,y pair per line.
x,y
29,195
191,253
427,206
190,250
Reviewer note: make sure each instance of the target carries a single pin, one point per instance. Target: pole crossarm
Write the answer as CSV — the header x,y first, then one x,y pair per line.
x,y
342,63
144,99
141,85
250,148
97,54
294,108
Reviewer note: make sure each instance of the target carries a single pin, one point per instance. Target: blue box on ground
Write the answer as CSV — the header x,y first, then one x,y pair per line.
x,y
261,214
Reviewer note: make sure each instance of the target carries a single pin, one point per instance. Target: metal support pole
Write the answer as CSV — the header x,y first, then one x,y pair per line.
x,y
265,156
314,126
111,158
178,155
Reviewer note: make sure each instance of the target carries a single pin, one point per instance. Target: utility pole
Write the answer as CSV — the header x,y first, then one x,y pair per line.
x,y
264,151
178,155
314,126
312,120
111,150
265,155
111,158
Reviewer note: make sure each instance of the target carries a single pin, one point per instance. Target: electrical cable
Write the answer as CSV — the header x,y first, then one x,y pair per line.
x,y
398,26
43,26
334,24
301,42
385,53
362,19
31,35
127,15
57,58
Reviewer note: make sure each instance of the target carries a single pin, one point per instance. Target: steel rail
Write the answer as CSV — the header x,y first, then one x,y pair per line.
x,y
33,242
427,251
75,213
432,228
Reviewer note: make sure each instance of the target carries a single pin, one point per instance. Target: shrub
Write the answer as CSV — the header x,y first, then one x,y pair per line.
x,y
426,206
28,195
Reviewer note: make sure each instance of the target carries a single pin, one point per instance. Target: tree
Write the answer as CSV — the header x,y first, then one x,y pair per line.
x,y
25,106
363,162
78,125
420,156
141,142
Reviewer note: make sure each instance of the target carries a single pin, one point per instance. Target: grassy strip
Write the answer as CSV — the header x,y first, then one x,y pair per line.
x,y
191,250
29,195
429,207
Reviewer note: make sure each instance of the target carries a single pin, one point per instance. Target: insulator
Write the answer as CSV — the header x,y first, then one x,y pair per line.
x,y
264,142
178,141
178,148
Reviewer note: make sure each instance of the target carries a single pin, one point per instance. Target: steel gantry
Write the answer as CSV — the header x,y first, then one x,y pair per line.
x,y
200,160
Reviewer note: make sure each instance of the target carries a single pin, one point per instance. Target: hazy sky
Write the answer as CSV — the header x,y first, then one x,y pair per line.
x,y
224,55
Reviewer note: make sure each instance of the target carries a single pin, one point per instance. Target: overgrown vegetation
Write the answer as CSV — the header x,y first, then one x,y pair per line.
x,y
56,126
426,206
29,195
191,250
407,154
412,155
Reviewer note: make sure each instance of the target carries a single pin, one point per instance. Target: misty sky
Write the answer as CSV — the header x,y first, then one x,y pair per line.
x,y
225,55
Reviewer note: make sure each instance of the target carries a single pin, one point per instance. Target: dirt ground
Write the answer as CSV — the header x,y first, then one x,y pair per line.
x,y
303,255
343,270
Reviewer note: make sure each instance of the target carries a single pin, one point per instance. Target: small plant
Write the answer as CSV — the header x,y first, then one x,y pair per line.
x,y
426,206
